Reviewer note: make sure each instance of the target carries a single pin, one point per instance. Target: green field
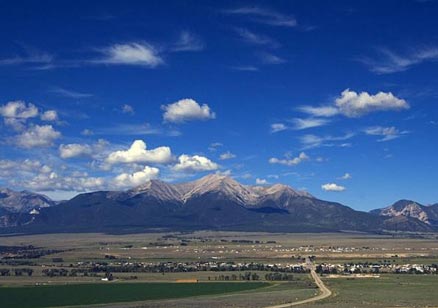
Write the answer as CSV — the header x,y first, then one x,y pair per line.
x,y
89,294
386,291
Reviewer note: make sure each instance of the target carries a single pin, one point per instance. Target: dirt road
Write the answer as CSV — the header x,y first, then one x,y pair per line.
x,y
324,291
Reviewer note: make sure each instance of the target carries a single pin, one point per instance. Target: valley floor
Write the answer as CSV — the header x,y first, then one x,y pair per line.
x,y
251,269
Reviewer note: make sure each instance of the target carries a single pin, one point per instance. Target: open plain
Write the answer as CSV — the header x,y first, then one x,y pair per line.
x,y
219,269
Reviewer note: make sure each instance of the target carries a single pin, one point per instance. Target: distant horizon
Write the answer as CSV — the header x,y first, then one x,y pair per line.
x,y
335,98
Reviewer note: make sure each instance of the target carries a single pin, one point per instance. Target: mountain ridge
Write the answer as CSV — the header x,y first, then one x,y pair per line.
x,y
427,214
215,202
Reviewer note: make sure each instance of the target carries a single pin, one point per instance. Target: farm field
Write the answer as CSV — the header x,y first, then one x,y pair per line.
x,y
89,294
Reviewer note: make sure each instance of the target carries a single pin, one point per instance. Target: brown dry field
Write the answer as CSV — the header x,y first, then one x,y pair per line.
x,y
205,245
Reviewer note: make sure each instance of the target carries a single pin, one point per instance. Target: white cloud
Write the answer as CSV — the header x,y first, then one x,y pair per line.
x,y
278,127
333,187
321,111
127,180
264,16
39,59
87,132
141,54
133,129
390,62
69,93
53,181
269,58
214,146
16,124
353,104
290,161
346,176
18,110
227,155
38,136
37,175
387,133
49,115
261,181
138,153
186,110
300,124
255,38
195,163
313,141
188,42
127,109
74,150
10,168
245,68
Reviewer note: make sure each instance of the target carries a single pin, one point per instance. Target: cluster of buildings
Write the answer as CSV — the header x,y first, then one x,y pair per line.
x,y
175,267
375,268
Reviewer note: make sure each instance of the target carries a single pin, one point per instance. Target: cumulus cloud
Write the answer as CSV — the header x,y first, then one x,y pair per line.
x,y
49,115
39,175
387,133
16,114
138,153
77,150
11,168
186,110
293,161
38,136
227,155
261,181
195,163
127,180
135,53
74,150
332,187
278,127
53,181
353,104
18,110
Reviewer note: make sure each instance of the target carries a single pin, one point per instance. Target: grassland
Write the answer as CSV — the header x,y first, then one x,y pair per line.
x,y
385,291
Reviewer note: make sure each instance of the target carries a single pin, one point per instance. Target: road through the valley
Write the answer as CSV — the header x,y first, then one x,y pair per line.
x,y
324,291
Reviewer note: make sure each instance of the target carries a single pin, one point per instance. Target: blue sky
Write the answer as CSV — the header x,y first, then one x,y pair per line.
x,y
338,98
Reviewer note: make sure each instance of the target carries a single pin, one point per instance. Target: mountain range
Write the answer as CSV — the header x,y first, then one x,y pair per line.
x,y
214,202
